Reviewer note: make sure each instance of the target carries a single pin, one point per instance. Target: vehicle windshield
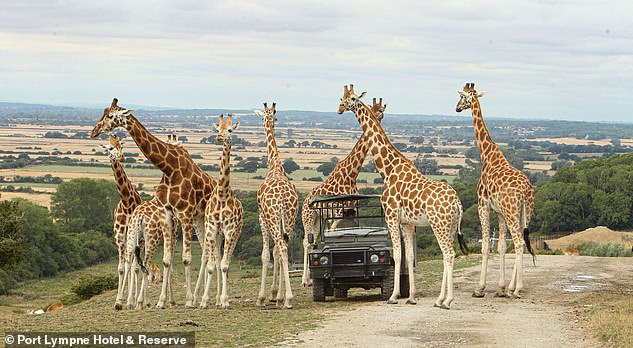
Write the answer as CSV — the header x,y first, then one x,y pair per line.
x,y
362,216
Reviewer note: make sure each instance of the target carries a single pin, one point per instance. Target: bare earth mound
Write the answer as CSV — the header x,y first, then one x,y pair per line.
x,y
599,234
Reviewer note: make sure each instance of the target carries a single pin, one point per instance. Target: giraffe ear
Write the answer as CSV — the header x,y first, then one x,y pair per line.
x,y
236,125
362,95
103,146
127,112
259,113
481,94
462,93
384,107
217,126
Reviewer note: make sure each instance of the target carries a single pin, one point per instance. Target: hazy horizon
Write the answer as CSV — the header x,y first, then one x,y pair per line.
x,y
559,59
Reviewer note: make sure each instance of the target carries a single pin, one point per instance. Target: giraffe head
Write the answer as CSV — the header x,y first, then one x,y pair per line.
x,y
269,115
113,117
349,100
114,149
466,96
225,129
378,109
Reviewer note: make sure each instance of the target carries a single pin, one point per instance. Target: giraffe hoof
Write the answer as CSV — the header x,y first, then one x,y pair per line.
x,y
411,301
514,295
443,306
501,294
479,294
190,306
118,306
390,301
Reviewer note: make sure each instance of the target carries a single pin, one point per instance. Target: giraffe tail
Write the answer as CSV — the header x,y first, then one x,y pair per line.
x,y
137,249
460,237
526,235
282,228
526,238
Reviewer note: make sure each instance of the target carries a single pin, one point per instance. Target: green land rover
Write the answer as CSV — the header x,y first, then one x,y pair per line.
x,y
353,248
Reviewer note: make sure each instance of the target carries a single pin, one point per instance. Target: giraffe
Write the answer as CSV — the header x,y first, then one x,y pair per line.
x,y
224,216
506,191
409,198
129,200
184,188
150,223
277,201
342,180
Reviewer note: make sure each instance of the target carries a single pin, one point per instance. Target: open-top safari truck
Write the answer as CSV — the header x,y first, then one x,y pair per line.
x,y
353,248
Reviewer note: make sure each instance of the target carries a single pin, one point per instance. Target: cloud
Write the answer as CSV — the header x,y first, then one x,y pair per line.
x,y
536,58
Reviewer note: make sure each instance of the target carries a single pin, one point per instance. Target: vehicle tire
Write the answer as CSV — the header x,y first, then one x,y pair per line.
x,y
404,286
318,290
340,292
386,289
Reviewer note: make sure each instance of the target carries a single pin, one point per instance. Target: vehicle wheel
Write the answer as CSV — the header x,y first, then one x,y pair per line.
x,y
386,289
340,292
404,286
318,290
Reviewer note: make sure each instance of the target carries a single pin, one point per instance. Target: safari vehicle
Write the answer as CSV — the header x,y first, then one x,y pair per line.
x,y
353,248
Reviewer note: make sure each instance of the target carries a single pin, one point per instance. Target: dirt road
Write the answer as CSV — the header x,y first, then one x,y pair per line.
x,y
557,292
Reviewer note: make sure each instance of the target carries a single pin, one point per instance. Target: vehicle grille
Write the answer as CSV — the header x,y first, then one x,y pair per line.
x,y
357,257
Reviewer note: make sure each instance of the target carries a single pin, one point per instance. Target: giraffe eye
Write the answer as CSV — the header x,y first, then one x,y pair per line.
x,y
230,131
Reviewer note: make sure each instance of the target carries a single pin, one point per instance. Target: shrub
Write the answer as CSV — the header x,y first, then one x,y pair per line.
x,y
88,287
602,250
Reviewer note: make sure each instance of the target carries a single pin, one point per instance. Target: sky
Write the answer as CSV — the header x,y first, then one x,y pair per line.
x,y
557,59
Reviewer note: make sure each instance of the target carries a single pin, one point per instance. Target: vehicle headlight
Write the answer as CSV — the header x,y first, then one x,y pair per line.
x,y
374,258
324,260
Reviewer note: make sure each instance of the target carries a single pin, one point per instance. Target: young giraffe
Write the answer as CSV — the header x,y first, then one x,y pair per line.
x,y
224,216
150,223
409,198
342,180
277,202
505,190
184,188
129,200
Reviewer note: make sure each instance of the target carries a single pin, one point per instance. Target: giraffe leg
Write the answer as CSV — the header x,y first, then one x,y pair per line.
x,y
265,260
501,249
285,276
230,240
516,280
202,273
174,241
210,243
394,231
216,264
122,278
483,209
187,230
309,222
447,281
274,288
131,296
409,245
167,255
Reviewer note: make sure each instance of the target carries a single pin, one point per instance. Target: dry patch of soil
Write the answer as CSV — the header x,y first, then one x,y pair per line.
x,y
559,292
599,234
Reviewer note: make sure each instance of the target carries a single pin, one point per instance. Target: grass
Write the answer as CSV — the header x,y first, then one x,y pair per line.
x,y
612,321
243,324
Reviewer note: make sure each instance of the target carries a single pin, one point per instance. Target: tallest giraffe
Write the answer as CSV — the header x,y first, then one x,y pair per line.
x,y
503,189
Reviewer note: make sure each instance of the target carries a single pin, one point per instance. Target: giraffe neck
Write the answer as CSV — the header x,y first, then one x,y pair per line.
x,y
224,184
386,156
274,162
153,148
127,193
488,149
350,166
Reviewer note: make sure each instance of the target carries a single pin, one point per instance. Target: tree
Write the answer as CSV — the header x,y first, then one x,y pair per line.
x,y
326,168
250,166
83,204
426,166
11,234
290,165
